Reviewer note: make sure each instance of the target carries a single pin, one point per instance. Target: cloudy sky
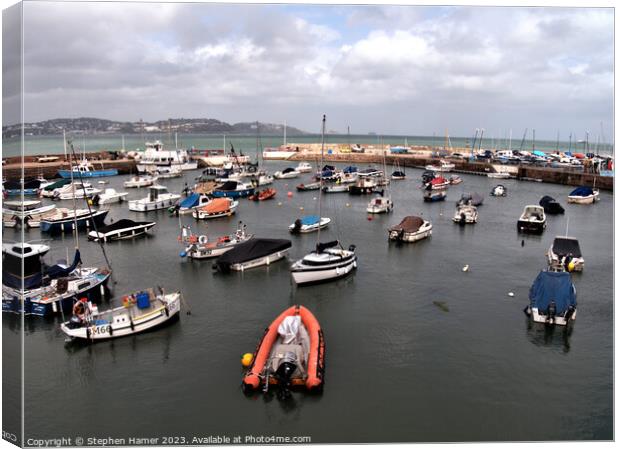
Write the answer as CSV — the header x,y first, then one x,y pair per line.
x,y
388,69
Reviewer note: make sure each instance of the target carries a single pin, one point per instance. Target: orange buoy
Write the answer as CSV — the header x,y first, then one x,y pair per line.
x,y
290,194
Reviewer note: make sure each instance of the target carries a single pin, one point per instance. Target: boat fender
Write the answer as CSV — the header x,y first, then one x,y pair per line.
x,y
87,332
247,359
131,324
110,329
167,311
202,239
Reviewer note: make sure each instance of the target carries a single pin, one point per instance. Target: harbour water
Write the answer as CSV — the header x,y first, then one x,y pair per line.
x,y
398,367
35,145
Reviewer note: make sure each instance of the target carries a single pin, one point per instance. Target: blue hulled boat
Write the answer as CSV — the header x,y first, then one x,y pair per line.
x,y
86,170
44,290
66,219
233,189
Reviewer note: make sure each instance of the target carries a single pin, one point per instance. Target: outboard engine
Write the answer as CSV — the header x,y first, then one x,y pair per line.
x,y
285,371
463,219
96,199
297,226
352,248
551,310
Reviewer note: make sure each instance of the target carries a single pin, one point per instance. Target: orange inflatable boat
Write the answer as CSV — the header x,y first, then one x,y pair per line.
x,y
291,353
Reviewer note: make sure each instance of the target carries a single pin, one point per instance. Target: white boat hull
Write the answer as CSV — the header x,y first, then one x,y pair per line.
x,y
542,318
145,206
322,274
266,260
283,155
410,237
590,199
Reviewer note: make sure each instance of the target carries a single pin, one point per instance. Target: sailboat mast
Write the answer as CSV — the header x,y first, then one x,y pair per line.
x,y
318,234
75,230
284,132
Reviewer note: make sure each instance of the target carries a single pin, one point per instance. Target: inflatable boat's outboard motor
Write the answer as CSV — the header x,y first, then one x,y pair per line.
x,y
284,373
463,219
297,226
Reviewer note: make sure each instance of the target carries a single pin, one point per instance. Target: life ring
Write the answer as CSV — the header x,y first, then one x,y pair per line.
x,y
202,239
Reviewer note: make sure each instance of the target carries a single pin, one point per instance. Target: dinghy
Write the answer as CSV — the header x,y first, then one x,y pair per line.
x,y
253,253
411,229
550,205
310,186
159,198
217,207
565,255
532,220
465,214
291,353
455,180
140,311
499,190
121,230
48,191
263,195
553,299
200,247
583,195
434,195
308,223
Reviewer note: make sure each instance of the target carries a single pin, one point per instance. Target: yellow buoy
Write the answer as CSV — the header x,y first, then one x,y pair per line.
x,y
571,266
247,359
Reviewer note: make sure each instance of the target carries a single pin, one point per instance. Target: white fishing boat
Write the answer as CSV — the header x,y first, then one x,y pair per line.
x,y
217,207
201,247
109,196
193,202
308,223
139,312
28,212
287,173
173,171
411,229
140,181
123,229
336,188
328,261
304,167
465,214
347,178
158,198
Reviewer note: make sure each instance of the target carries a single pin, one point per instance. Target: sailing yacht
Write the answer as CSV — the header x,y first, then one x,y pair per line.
x,y
329,260
381,204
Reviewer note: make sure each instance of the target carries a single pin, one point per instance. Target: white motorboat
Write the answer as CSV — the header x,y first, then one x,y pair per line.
x,y
465,214
140,181
380,205
109,196
287,173
217,207
173,171
158,198
533,220
155,157
584,195
308,223
329,261
411,229
443,166
123,229
201,247
347,178
564,254
28,212
553,299
139,312
304,167
66,188
81,192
